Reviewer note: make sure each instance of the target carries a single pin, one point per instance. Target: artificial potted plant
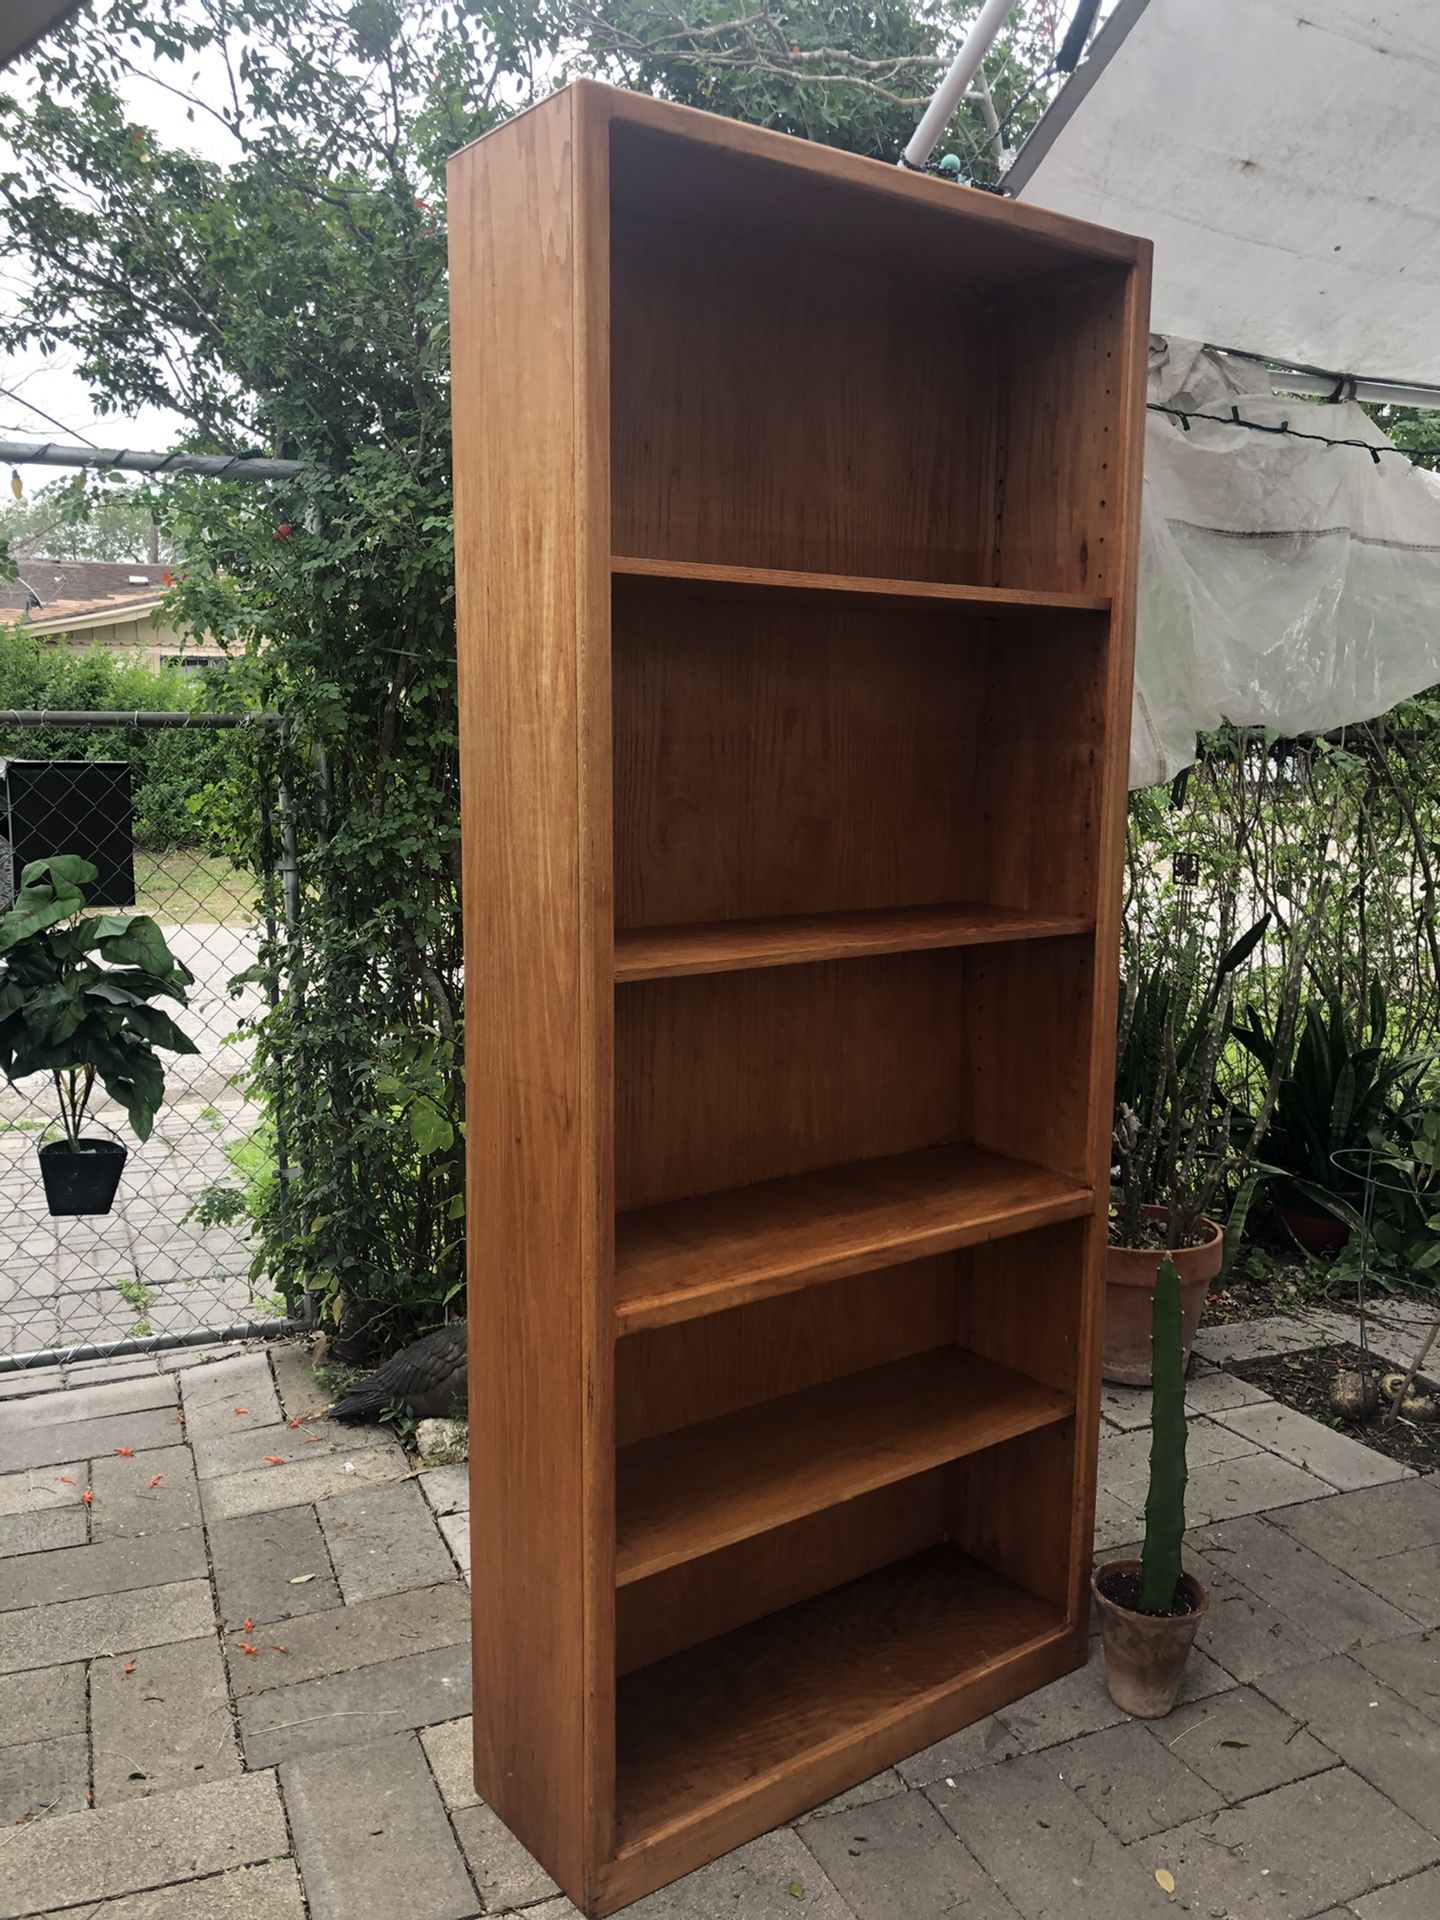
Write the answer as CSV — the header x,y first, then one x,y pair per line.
x,y
1172,1146
76,995
1150,1608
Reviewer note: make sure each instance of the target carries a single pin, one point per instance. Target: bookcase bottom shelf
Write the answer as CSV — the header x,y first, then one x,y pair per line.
x,y
721,1722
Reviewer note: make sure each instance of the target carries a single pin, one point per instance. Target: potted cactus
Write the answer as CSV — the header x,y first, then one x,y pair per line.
x,y
1150,1608
75,1002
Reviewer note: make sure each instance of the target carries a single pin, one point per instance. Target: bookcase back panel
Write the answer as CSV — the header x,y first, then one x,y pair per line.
x,y
1040,735
1020,1302
726,1079
1014,1509
774,759
1028,1021
723,1080
811,196
776,405
674,1376
692,1603
1061,420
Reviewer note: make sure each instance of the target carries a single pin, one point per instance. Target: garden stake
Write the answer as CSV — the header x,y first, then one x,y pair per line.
x,y
1392,1412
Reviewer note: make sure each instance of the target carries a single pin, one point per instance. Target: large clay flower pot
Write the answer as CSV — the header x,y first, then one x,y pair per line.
x,y
1316,1232
1145,1653
1129,1286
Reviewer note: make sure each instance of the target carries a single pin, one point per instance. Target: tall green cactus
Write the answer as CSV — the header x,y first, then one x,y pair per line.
x,y
1165,1502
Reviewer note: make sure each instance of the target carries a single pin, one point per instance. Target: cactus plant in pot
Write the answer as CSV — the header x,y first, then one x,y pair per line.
x,y
76,994
1150,1608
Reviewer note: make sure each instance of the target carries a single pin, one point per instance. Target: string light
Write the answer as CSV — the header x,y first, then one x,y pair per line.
x,y
1234,419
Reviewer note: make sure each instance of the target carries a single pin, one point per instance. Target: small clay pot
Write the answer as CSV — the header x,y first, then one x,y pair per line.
x,y
1129,1291
1145,1653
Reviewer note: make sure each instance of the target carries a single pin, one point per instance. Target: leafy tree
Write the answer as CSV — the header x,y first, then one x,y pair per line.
x,y
291,296
90,517
851,76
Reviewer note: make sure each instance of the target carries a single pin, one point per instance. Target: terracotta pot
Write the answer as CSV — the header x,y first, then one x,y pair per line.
x,y
1316,1232
1129,1288
1145,1653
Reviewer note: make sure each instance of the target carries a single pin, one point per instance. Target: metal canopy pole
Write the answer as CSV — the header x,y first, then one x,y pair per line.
x,y
54,717
1337,386
214,466
956,84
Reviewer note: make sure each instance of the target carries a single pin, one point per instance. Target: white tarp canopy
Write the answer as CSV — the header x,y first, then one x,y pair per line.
x,y
1285,161
1284,157
1283,582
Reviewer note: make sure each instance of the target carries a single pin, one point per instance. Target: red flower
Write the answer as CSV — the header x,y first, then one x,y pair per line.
x,y
284,530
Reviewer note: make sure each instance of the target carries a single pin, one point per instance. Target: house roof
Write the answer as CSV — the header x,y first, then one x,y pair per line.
x,y
79,589
86,616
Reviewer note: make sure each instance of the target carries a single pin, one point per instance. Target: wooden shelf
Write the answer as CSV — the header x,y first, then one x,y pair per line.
x,y
630,574
728,946
685,1494
718,1722
693,1257
721,773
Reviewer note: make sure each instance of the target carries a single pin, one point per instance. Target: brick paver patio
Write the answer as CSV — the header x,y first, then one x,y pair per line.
x,y
232,1689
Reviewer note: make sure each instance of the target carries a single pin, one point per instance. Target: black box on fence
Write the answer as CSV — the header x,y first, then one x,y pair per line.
x,y
68,806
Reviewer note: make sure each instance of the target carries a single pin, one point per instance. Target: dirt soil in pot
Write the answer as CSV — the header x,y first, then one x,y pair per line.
x,y
1124,1590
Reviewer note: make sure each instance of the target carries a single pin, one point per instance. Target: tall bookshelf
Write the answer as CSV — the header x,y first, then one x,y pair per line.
x,y
796,501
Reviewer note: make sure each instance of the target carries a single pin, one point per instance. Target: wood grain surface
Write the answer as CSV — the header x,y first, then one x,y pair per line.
x,y
796,513
707,1254
686,1494
701,1726
729,946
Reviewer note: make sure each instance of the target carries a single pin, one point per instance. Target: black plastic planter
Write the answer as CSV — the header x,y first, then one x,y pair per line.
x,y
83,1182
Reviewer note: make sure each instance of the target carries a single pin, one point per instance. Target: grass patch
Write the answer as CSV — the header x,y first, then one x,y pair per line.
x,y
334,1379
179,885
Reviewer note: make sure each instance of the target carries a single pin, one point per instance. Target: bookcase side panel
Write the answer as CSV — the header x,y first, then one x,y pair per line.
x,y
1130,351
1071,440
536,939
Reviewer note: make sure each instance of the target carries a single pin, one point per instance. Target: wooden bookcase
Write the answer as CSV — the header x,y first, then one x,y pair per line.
x,y
796,501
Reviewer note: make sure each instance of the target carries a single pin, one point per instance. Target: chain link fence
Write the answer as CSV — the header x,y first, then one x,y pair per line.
x,y
170,1263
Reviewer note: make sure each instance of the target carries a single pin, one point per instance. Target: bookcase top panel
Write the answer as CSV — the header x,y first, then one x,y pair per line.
x,y
668,160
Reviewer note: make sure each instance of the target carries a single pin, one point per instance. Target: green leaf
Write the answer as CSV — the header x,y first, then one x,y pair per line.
x,y
141,943
1244,946
429,1128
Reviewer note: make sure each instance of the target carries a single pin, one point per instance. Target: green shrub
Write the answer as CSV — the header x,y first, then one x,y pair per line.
x,y
170,771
